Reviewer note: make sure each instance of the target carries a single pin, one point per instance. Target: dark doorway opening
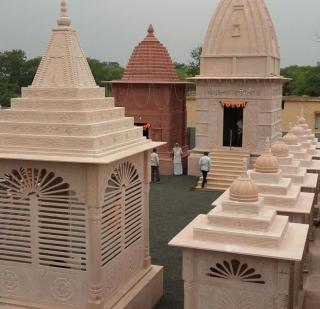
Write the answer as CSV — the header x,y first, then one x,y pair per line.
x,y
146,127
232,126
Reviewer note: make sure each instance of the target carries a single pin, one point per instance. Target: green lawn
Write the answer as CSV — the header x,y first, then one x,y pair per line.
x,y
173,204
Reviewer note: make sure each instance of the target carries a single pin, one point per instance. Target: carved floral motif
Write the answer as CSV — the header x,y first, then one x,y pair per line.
x,y
10,281
62,290
234,270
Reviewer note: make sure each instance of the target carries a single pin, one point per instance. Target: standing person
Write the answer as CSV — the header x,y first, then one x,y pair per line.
x,y
239,133
155,175
205,164
177,160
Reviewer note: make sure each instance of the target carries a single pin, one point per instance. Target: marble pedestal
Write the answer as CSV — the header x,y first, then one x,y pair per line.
x,y
282,195
234,275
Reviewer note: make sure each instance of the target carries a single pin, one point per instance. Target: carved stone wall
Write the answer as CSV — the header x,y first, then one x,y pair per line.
x,y
234,281
123,238
43,255
261,116
163,106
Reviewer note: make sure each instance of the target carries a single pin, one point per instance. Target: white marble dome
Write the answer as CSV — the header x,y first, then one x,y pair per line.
x,y
297,130
244,189
290,139
280,149
267,163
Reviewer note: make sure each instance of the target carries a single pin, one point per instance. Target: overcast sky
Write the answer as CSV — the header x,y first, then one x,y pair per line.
x,y
109,29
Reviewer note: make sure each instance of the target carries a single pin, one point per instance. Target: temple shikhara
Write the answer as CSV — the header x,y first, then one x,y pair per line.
x,y
152,93
75,172
74,192
239,89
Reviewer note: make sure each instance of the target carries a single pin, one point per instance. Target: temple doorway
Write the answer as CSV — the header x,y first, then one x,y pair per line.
x,y
146,127
232,126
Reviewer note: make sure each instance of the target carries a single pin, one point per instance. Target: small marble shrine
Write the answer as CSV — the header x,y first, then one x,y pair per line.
x,y
75,174
152,93
242,254
74,192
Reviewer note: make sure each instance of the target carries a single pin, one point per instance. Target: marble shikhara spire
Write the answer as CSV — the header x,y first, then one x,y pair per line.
x,y
64,63
241,41
64,115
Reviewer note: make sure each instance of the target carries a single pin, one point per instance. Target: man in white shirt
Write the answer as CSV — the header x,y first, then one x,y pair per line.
x,y
155,175
205,164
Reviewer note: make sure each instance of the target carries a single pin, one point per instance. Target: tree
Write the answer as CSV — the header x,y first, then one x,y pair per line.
x,y
28,71
105,71
194,63
312,82
182,70
11,63
305,80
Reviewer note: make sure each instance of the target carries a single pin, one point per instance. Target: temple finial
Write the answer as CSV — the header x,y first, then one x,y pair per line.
x,y
150,29
245,168
268,145
64,19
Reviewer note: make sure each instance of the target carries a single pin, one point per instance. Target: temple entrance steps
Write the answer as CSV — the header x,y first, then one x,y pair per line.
x,y
227,166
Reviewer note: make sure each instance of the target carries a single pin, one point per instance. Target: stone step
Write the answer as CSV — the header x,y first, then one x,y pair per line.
x,y
227,166
226,170
216,187
62,104
70,142
228,159
61,117
91,129
228,154
221,176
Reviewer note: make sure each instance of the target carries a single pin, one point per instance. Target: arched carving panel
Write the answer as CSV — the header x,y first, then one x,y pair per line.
x,y
122,211
42,220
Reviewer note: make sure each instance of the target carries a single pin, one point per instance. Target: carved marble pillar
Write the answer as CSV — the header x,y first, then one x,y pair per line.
x,y
94,186
282,298
146,191
188,277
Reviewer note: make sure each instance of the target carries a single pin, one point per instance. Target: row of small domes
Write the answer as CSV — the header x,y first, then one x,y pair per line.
x,y
244,188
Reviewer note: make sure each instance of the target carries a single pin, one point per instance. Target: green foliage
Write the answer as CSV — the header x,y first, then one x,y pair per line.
x,y
305,80
28,71
194,63
10,74
105,71
191,69
182,70
15,72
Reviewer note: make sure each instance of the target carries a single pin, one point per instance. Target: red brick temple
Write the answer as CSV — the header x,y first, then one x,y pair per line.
x,y
152,93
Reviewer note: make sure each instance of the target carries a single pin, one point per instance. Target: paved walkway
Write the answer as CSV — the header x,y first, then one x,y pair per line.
x,y
173,204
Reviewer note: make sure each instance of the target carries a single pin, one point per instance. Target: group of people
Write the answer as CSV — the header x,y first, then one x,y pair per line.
x,y
177,163
204,164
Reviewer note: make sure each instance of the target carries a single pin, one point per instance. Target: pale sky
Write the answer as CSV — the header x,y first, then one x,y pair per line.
x,y
109,29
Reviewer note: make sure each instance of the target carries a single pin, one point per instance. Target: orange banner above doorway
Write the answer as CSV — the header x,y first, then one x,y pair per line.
x,y
234,104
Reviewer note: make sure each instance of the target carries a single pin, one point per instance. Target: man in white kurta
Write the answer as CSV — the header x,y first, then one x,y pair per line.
x,y
177,160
